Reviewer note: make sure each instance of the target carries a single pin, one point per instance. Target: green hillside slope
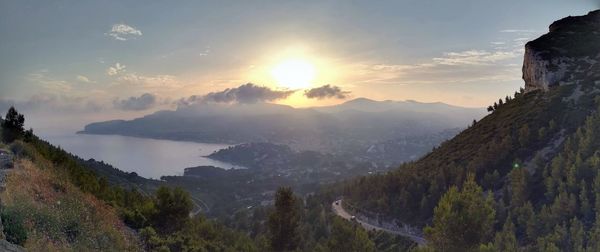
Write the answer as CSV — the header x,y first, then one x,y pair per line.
x,y
536,155
52,201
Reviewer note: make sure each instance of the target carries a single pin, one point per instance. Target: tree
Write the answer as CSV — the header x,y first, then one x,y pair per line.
x,y
490,109
518,178
348,237
284,221
506,240
12,126
172,209
524,135
585,208
462,219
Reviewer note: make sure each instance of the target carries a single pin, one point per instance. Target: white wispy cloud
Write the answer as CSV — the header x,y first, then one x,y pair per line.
x,y
116,69
518,31
49,83
150,81
84,79
475,57
499,61
206,52
123,32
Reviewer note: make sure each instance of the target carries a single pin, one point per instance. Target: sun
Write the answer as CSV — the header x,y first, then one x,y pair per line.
x,y
294,73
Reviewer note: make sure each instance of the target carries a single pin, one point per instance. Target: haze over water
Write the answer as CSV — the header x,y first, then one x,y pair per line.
x,y
150,158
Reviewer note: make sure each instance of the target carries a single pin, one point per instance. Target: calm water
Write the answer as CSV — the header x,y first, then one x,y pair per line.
x,y
150,158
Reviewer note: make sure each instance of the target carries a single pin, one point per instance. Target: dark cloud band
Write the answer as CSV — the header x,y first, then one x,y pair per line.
x,y
247,93
326,91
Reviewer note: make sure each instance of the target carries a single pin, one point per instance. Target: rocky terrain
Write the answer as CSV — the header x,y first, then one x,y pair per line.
x,y
567,55
6,165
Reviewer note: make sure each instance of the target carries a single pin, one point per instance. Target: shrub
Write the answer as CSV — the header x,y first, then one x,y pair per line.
x,y
13,227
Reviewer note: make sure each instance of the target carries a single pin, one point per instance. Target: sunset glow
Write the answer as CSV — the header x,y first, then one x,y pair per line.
x,y
294,73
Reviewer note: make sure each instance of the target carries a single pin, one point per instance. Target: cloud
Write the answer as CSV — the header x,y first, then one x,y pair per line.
x,y
476,57
143,102
518,31
326,91
83,79
151,81
206,52
123,32
116,69
49,83
499,61
247,93
53,102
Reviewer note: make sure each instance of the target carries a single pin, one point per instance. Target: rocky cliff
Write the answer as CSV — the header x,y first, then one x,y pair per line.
x,y
567,54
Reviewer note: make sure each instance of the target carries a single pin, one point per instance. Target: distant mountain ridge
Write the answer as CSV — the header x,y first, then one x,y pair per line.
x,y
358,122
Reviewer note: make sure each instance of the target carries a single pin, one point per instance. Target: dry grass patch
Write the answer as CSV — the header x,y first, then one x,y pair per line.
x,y
58,216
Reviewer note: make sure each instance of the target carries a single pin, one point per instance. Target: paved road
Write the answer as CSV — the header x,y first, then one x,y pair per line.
x,y
200,208
339,210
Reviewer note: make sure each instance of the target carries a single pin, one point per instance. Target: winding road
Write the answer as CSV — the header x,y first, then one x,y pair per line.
x,y
200,208
338,209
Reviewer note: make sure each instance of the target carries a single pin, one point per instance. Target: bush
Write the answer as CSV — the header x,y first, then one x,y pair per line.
x,y
134,218
71,231
13,227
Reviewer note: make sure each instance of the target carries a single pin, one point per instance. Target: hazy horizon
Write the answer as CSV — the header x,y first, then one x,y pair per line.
x,y
117,63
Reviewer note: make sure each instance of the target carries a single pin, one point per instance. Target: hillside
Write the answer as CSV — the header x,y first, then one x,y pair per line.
x,y
537,153
55,201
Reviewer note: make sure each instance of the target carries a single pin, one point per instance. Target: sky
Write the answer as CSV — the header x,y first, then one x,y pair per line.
x,y
107,59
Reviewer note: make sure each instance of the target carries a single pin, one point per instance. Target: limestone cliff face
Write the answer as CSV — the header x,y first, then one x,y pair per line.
x,y
567,54
537,73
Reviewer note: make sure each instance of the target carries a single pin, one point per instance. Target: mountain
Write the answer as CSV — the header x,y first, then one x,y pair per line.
x,y
354,124
537,155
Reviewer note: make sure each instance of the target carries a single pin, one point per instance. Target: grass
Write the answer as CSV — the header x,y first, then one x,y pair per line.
x,y
57,216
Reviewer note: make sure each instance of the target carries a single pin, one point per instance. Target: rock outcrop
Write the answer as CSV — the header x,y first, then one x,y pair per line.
x,y
567,54
6,159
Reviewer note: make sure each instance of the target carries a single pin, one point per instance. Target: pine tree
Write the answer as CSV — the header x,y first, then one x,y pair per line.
x,y
348,237
518,186
462,219
173,208
12,126
284,221
524,135
576,236
506,240
585,207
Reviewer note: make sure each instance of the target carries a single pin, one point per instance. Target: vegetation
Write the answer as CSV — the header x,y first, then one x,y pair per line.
x,y
12,125
54,200
36,219
489,149
42,211
14,229
462,220
283,222
535,155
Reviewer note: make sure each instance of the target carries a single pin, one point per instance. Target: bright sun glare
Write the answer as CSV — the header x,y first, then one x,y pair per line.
x,y
294,73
